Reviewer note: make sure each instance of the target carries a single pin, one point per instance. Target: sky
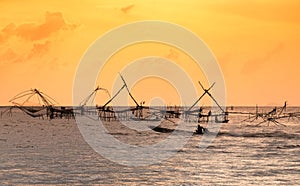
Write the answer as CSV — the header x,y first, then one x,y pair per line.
x,y
256,44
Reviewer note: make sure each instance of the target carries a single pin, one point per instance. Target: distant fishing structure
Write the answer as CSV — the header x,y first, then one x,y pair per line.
x,y
205,117
140,112
271,116
46,107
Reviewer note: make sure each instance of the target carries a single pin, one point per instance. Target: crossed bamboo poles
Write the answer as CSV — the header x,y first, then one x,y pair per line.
x,y
49,102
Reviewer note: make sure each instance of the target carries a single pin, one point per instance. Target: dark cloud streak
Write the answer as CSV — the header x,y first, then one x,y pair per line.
x,y
127,8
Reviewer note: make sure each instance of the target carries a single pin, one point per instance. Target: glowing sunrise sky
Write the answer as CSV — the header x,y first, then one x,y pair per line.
x,y
255,42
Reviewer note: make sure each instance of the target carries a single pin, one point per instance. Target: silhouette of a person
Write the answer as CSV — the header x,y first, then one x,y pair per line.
x,y
200,129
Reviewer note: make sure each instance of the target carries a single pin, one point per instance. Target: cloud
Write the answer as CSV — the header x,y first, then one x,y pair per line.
x,y
1,39
10,55
173,54
54,22
7,32
254,64
39,49
29,40
127,8
9,29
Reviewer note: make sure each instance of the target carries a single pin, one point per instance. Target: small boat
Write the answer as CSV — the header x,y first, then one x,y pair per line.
x,y
145,119
162,129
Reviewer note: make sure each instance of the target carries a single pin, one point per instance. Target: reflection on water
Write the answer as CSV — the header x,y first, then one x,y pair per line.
x,y
34,151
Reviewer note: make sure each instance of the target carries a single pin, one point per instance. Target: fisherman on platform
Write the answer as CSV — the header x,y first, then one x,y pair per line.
x,y
201,130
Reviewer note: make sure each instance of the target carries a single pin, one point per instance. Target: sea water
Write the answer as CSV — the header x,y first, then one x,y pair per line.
x,y
36,151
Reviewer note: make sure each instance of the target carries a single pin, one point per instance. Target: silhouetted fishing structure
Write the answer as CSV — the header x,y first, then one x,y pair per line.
x,y
139,112
220,116
42,106
90,99
272,116
45,106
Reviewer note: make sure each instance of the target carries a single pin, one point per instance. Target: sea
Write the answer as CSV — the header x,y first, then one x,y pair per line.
x,y
244,151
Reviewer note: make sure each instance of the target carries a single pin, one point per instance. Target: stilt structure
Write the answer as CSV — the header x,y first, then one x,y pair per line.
x,y
40,106
219,117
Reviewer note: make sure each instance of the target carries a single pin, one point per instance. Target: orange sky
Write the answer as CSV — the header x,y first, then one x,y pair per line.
x,y
256,44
